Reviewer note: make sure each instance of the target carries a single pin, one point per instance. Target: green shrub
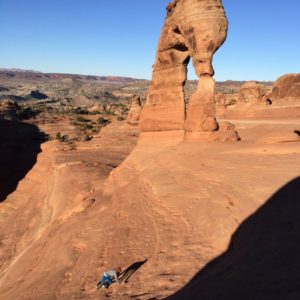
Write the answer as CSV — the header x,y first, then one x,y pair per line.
x,y
87,126
81,119
97,112
81,111
120,118
103,121
58,136
62,138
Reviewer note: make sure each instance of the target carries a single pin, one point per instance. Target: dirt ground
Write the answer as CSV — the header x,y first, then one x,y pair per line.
x,y
161,212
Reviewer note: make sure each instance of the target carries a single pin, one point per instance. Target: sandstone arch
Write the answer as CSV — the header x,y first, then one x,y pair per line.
x,y
193,29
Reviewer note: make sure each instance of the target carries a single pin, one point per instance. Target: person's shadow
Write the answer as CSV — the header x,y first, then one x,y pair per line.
x,y
128,272
263,258
19,147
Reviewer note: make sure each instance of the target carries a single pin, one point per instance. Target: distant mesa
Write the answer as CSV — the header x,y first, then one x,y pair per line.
x,y
16,74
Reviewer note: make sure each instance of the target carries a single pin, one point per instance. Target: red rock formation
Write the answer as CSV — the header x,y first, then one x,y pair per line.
x,y
134,112
192,29
287,86
251,93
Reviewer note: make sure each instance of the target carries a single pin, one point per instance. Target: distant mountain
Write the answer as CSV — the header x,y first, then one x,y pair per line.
x,y
133,85
35,75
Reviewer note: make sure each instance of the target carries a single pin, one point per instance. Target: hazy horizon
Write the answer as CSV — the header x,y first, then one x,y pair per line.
x,y
104,75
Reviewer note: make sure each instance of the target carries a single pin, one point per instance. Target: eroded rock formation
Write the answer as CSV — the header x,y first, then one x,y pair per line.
x,y
287,86
252,93
134,112
193,29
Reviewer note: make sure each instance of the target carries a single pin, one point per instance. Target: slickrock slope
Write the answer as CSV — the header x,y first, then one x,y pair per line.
x,y
192,29
193,198
43,225
262,259
176,206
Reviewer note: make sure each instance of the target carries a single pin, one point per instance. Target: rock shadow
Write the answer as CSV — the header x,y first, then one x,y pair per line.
x,y
19,146
263,259
128,272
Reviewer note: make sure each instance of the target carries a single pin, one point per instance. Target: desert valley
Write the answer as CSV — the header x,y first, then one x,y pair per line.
x,y
192,187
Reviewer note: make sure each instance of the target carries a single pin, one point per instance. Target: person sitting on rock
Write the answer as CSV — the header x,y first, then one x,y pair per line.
x,y
108,276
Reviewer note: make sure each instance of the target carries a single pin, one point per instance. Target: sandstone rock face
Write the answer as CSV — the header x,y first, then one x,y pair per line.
x,y
134,112
192,29
287,86
8,110
251,93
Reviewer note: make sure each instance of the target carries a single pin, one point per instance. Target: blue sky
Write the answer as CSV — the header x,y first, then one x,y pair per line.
x,y
119,37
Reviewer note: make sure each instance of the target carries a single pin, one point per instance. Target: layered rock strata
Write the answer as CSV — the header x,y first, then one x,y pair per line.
x,y
194,30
